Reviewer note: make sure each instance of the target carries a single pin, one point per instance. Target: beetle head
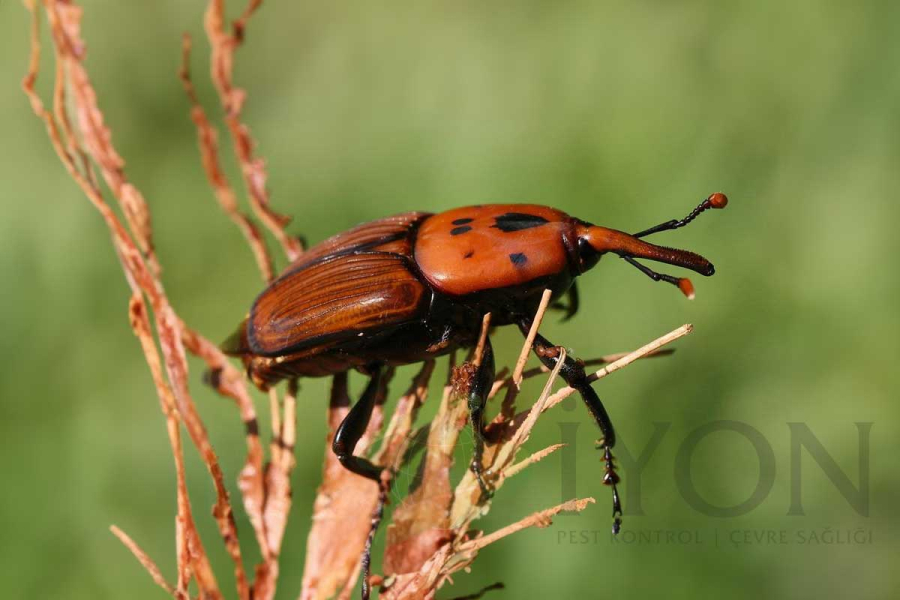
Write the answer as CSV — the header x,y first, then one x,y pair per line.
x,y
595,241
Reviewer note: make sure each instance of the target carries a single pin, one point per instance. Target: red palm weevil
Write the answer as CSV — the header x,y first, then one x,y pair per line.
x,y
413,286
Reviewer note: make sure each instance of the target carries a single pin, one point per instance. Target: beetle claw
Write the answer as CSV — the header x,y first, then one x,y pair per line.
x,y
486,491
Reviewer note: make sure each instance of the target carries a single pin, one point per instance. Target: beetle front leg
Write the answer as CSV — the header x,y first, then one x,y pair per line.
x,y
352,429
571,304
478,395
573,374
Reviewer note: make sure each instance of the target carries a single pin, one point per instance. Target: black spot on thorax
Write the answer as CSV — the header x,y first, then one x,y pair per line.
x,y
514,221
518,259
460,230
464,221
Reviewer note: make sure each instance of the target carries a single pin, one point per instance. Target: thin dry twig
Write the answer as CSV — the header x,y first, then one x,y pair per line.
x,y
230,382
537,456
482,340
529,339
141,270
144,559
642,352
192,559
208,142
591,362
223,46
266,492
538,519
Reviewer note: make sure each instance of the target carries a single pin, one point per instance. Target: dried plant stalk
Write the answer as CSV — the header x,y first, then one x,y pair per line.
x,y
253,169
430,536
144,559
208,141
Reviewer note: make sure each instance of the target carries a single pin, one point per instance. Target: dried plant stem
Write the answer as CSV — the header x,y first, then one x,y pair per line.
x,y
482,340
223,46
538,519
144,559
537,456
529,339
266,494
208,141
600,360
142,273
626,360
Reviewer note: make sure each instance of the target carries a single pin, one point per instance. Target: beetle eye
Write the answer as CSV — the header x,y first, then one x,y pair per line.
x,y
587,255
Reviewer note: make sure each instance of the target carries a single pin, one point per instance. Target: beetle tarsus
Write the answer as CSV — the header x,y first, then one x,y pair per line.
x,y
682,283
354,426
573,374
486,492
478,395
366,562
611,478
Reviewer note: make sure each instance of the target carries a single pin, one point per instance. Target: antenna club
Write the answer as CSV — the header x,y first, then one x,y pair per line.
x,y
717,200
686,287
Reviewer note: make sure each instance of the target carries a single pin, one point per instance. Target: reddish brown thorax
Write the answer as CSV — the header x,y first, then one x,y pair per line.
x,y
476,248
496,246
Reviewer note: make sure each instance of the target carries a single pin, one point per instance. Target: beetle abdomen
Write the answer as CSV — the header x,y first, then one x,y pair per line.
x,y
478,248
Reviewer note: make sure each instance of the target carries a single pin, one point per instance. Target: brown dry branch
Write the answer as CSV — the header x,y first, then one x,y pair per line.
x,y
223,46
144,559
208,141
84,144
430,535
266,492
529,339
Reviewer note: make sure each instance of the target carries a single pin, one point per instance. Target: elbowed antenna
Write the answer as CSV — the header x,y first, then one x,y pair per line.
x,y
630,247
717,200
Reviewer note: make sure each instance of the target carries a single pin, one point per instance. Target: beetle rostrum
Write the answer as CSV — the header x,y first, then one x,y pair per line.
x,y
414,286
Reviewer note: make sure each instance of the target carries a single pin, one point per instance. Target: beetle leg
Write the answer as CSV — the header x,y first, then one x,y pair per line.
x,y
478,394
352,429
571,304
573,374
346,437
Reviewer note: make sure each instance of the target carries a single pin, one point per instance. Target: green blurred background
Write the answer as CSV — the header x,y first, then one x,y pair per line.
x,y
625,114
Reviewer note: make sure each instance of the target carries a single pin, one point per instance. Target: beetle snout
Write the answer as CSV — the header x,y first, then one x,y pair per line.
x,y
630,247
603,239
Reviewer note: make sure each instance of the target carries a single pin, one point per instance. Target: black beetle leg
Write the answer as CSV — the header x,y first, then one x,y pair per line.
x,y
478,394
573,374
346,437
367,551
352,429
571,304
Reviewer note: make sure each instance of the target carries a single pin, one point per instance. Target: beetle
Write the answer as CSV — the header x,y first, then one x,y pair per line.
x,y
413,286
